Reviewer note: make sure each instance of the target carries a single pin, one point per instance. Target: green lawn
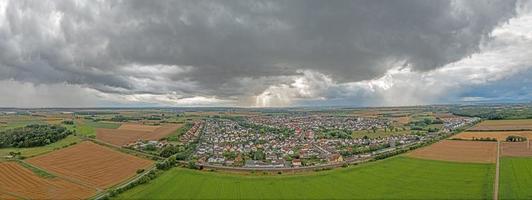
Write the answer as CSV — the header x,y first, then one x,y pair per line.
x,y
515,178
396,178
34,151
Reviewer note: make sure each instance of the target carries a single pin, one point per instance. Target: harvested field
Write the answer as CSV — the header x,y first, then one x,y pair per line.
x,y
517,149
122,137
90,163
119,137
504,125
402,120
459,151
163,131
7,196
23,183
499,135
137,127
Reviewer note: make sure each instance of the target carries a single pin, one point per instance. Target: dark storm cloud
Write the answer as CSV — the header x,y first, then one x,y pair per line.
x,y
234,48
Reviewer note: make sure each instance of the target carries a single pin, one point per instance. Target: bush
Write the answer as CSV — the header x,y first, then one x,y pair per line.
x,y
144,179
68,122
166,164
513,138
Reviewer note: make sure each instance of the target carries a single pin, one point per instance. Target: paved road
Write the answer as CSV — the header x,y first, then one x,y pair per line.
x,y
496,182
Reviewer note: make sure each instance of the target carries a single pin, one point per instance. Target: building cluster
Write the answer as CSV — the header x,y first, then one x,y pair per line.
x,y
457,122
233,143
316,122
226,142
147,145
192,133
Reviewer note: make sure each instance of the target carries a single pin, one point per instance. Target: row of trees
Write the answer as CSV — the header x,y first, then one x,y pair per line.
x,y
514,138
33,135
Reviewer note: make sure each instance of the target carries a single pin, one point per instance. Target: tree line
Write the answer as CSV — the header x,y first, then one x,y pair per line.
x,y
32,135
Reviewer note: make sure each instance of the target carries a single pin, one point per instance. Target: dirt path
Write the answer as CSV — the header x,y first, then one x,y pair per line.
x,y
496,182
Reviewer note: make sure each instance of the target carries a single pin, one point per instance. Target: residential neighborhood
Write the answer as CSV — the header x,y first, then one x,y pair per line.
x,y
298,140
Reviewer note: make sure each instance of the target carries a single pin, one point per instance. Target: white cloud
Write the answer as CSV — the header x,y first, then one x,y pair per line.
x,y
507,53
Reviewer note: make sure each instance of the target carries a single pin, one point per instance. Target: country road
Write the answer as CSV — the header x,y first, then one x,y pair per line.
x,y
496,182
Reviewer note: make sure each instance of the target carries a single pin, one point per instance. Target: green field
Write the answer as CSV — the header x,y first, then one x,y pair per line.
x,y
88,128
17,124
395,178
515,178
102,124
34,151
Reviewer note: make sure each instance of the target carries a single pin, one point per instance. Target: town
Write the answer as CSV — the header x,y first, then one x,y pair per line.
x,y
300,140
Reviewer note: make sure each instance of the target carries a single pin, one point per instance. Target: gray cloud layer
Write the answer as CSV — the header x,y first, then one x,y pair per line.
x,y
232,49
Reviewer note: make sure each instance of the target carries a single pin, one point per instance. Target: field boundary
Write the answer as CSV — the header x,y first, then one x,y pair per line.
x,y
497,167
12,194
498,130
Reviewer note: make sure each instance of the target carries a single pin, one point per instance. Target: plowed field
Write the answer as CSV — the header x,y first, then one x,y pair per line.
x,y
499,135
92,164
17,181
459,151
517,149
504,125
137,127
123,136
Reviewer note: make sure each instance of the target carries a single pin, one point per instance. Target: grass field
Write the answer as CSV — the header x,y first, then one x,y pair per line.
x,y
515,178
102,124
395,178
88,128
34,151
17,124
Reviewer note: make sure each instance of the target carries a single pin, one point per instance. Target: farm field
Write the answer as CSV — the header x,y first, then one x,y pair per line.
x,y
458,151
517,149
34,151
119,137
19,182
395,178
91,163
123,136
137,127
88,128
9,122
503,125
109,125
499,135
515,178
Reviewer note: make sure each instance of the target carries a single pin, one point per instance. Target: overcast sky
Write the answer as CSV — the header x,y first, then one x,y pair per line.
x,y
56,53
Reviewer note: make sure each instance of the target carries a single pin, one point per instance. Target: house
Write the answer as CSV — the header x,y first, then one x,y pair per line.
x,y
336,158
296,163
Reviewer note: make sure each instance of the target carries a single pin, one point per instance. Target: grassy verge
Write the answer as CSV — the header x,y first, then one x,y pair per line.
x,y
37,171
